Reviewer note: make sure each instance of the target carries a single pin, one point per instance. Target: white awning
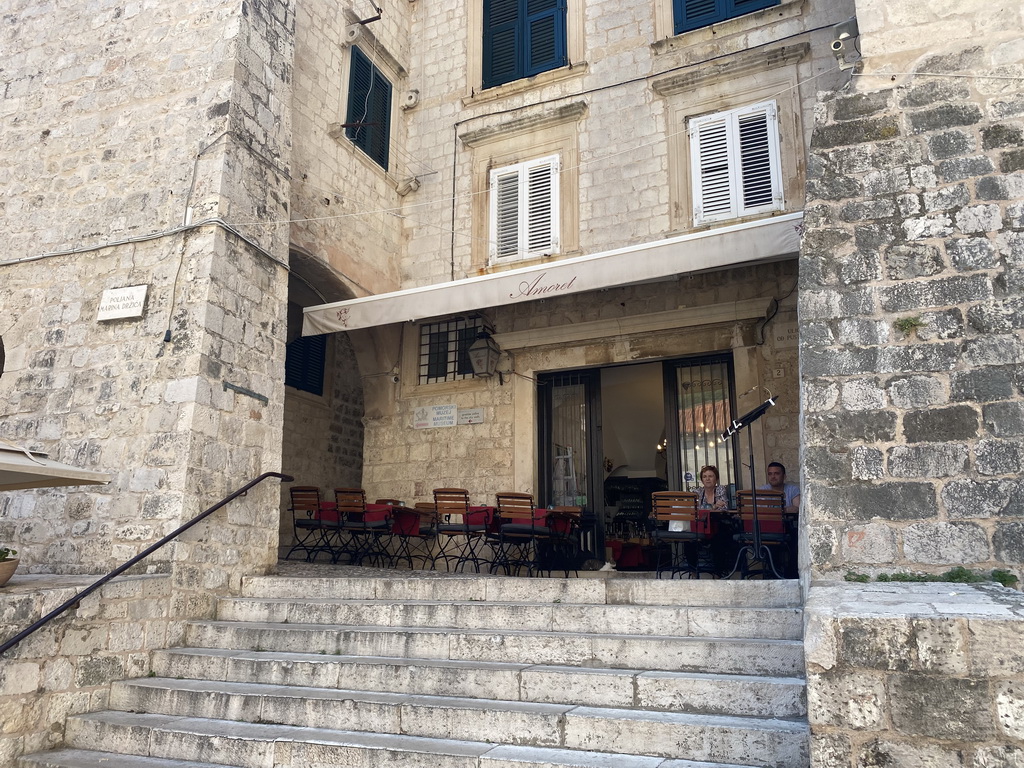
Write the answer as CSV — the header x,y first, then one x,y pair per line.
x,y
20,469
713,249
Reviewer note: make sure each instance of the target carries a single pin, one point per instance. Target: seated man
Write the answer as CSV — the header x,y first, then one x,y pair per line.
x,y
777,482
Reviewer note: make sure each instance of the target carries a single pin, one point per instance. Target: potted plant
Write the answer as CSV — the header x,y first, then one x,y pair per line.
x,y
8,564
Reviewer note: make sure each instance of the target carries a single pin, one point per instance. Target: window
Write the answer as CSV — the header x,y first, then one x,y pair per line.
x,y
524,209
735,163
693,14
444,349
304,364
369,108
522,38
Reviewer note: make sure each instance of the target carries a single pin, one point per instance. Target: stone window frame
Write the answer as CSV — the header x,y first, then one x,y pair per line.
x,y
392,70
574,47
747,78
553,132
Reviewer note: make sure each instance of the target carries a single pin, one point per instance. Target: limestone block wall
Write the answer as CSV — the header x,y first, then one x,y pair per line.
x,y
169,119
343,204
911,327
66,667
914,675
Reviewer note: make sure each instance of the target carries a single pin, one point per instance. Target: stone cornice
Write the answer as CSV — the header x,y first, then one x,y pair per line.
x,y
563,114
737,65
372,43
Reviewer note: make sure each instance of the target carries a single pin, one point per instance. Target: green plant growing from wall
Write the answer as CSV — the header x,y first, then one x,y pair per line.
x,y
957,575
908,326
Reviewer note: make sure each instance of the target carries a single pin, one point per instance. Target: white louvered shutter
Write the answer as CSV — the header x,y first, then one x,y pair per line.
x,y
524,209
736,165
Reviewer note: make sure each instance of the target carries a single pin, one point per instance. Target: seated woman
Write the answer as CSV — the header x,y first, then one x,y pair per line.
x,y
713,496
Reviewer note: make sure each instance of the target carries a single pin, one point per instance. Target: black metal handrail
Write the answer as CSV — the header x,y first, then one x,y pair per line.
x,y
139,557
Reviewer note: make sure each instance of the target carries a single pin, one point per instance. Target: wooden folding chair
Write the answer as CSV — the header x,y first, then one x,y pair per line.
x,y
680,533
364,526
520,537
460,532
307,521
769,533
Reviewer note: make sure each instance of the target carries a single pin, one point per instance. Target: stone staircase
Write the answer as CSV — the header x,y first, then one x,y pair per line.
x,y
446,671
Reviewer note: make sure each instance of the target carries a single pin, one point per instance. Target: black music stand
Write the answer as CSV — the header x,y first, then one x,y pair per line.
x,y
758,551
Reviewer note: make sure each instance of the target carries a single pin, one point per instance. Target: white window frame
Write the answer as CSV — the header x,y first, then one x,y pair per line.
x,y
521,228
717,138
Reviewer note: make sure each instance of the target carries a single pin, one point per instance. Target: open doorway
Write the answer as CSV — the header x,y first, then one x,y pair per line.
x,y
611,436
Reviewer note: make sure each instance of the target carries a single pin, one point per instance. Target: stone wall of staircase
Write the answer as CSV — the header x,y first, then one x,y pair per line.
x,y
67,667
915,675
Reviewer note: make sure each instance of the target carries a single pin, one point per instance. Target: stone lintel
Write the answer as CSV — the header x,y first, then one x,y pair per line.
x,y
737,65
549,117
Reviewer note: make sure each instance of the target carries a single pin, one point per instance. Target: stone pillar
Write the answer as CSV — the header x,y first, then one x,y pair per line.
x,y
912,325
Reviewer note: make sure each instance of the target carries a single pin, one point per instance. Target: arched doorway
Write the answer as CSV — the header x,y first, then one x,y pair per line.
x,y
322,437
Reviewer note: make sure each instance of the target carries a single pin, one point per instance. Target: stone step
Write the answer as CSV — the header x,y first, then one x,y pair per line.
x,y
499,589
615,651
257,745
696,692
498,758
81,758
438,717
700,621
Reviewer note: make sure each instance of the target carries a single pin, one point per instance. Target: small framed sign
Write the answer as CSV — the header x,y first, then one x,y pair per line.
x,y
471,415
116,303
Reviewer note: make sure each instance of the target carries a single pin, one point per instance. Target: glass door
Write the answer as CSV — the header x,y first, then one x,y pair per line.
x,y
569,431
699,391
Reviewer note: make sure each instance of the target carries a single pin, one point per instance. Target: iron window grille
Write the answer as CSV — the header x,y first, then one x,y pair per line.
x,y
444,349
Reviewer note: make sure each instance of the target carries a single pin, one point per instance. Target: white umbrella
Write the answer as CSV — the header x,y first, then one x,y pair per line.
x,y
20,469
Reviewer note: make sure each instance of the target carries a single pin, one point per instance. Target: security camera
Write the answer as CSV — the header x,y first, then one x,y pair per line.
x,y
841,33
394,378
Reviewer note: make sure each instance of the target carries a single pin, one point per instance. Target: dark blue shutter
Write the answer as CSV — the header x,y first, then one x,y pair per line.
x,y
304,364
545,36
748,6
380,117
369,105
502,59
522,38
693,14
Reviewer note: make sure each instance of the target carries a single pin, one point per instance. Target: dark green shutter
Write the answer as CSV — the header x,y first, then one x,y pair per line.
x,y
304,361
369,108
502,61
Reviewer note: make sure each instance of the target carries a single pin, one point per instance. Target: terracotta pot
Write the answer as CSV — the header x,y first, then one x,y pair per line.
x,y
7,569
